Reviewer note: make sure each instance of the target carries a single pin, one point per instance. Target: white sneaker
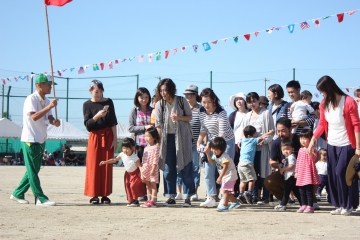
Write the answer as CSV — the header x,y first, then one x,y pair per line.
x,y
358,209
316,206
336,211
21,201
179,196
194,198
346,212
209,203
45,204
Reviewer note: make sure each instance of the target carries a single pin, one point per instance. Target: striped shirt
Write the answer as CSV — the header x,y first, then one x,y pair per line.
x,y
310,120
195,124
216,124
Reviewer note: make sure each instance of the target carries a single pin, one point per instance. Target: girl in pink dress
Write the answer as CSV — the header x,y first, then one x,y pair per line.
x,y
305,173
150,167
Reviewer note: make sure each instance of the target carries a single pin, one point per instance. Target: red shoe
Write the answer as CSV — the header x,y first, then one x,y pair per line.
x,y
145,204
150,204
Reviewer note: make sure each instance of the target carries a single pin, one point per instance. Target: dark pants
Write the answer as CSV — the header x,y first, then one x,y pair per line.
x,y
324,183
307,195
170,172
290,185
340,194
259,184
236,162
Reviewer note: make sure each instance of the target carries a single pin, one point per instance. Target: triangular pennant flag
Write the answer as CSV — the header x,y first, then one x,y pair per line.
x,y
175,51
167,53
256,34
195,47
81,70
236,39
214,42
351,12
8,79
116,61
58,3
158,56
316,95
45,73
326,17
270,30
347,89
16,78
72,69
132,58
291,28
206,46
86,66
59,73
124,59
22,77
64,70
95,67
110,64
340,17
27,77
317,22
247,36
183,48
224,39
141,58
304,25
3,81
102,65
150,57
277,28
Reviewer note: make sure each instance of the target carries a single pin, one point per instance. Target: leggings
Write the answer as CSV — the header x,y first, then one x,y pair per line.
x,y
306,195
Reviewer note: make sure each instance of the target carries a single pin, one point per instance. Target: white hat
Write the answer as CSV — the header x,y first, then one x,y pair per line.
x,y
232,98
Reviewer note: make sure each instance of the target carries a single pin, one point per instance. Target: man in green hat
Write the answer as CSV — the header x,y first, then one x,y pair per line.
x,y
36,117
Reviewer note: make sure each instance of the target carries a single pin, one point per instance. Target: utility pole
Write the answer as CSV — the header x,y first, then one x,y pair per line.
x,y
293,73
2,103
265,80
210,79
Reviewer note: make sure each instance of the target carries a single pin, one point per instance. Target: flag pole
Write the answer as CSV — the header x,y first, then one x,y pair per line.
x,y
51,65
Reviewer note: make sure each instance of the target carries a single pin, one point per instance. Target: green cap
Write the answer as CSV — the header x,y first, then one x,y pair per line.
x,y
42,78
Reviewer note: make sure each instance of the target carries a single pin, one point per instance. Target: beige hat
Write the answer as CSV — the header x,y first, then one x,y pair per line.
x,y
232,98
351,171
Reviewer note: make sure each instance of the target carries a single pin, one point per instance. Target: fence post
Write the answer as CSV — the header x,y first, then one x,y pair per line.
x,y
67,99
210,79
137,82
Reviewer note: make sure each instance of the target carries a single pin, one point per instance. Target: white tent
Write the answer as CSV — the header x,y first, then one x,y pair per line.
x,y
122,131
8,129
66,131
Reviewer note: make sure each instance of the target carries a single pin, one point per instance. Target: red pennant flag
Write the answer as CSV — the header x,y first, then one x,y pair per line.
x,y
183,48
59,73
247,36
340,17
27,77
116,61
3,81
45,73
167,53
214,42
58,3
256,33
16,78
347,89
110,65
351,12
102,65
175,51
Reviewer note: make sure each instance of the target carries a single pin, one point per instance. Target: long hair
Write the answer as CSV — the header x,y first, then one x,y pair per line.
x,y
140,92
208,92
327,85
170,87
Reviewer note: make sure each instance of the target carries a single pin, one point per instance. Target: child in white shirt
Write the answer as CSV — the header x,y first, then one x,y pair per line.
x,y
299,109
321,167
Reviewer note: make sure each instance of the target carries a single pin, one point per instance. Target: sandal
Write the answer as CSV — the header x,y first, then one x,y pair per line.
x,y
105,200
94,200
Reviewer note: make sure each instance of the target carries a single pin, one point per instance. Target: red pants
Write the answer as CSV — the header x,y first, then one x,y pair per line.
x,y
134,187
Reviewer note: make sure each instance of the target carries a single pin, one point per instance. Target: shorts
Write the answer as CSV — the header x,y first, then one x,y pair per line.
x,y
227,186
246,172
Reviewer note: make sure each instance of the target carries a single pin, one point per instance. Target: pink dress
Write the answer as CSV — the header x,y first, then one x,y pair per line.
x,y
305,169
150,158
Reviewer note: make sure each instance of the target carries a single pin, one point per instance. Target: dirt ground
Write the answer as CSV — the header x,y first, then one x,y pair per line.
x,y
75,218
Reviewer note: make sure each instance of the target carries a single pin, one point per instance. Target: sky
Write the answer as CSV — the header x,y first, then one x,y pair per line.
x,y
90,32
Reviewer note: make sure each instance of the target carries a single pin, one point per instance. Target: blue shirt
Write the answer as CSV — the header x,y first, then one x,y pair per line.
x,y
248,149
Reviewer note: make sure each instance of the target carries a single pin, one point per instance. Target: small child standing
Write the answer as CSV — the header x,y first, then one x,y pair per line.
x,y
288,171
227,171
300,108
246,164
150,169
133,184
321,167
305,173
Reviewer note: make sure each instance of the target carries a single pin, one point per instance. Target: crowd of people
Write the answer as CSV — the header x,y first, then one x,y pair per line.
x,y
68,158
266,148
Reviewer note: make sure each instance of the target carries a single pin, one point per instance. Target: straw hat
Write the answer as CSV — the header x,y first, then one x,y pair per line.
x,y
351,171
232,98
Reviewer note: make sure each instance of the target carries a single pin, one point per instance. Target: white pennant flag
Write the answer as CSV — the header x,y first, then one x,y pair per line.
x,y
150,57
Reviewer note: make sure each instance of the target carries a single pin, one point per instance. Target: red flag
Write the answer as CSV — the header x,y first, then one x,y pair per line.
x,y
183,48
340,17
3,81
116,61
167,53
59,73
102,65
27,77
58,3
351,12
247,36
347,89
214,42
256,33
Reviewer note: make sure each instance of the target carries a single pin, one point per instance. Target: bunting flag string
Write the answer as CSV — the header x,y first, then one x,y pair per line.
x,y
303,25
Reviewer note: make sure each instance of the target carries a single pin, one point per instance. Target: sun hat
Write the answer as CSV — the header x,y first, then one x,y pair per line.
x,y
232,98
191,89
42,78
352,170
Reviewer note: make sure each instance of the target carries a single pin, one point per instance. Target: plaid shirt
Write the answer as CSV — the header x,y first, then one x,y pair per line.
x,y
142,119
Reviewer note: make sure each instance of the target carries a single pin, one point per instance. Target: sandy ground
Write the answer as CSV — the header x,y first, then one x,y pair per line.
x,y
75,218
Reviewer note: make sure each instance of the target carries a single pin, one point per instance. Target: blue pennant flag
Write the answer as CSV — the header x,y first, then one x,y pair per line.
x,y
158,56
236,39
131,58
72,69
206,46
291,28
22,77
195,47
